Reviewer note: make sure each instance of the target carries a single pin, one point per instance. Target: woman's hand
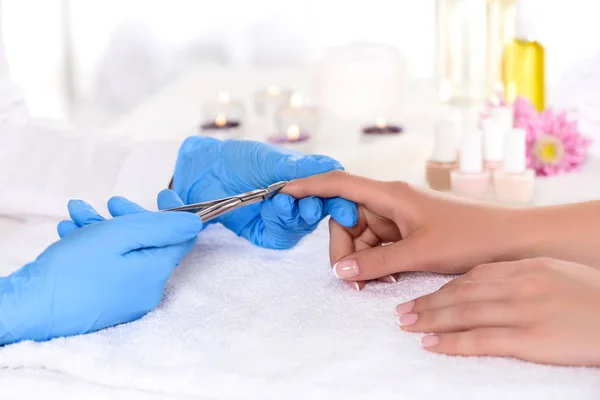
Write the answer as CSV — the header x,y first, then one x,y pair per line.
x,y
541,310
401,228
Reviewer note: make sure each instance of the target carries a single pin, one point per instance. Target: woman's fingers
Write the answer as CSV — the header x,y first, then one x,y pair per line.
x,y
499,342
379,197
492,271
379,261
341,242
469,291
465,316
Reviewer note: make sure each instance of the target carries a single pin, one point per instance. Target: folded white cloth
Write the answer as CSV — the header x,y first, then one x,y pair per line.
x,y
240,322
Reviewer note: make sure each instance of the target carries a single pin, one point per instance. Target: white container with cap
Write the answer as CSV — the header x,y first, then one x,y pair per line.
x,y
493,143
514,183
443,159
471,179
503,116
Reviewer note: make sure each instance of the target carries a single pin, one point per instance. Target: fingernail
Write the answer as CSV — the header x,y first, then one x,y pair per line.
x,y
356,285
405,308
430,341
388,279
407,319
346,269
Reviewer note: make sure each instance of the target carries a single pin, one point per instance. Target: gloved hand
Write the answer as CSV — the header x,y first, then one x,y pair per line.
x,y
83,214
104,274
209,169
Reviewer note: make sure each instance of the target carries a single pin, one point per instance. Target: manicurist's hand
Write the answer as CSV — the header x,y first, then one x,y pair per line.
x,y
101,273
209,169
541,310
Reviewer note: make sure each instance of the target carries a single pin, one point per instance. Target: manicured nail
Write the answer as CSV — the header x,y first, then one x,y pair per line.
x,y
346,269
356,285
430,341
407,319
388,279
405,308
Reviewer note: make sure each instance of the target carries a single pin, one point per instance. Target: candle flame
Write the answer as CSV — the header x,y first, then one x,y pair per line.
x,y
273,90
220,120
295,100
293,132
224,97
380,123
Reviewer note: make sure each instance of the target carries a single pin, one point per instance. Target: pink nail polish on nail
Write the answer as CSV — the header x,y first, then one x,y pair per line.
x,y
346,269
405,308
430,341
408,319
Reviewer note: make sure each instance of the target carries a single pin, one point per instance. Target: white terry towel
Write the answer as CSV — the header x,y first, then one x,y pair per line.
x,y
239,322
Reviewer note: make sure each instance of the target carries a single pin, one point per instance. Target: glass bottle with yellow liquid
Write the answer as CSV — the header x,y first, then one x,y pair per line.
x,y
523,69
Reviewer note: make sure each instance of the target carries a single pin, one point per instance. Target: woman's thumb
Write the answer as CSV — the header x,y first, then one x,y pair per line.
x,y
378,261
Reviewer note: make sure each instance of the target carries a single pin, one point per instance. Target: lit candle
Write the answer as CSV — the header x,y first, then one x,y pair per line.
x,y
273,90
220,122
295,101
223,117
293,139
382,128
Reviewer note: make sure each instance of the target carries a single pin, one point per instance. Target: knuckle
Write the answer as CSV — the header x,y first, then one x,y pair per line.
x,y
339,174
480,271
470,312
378,259
539,264
399,186
465,290
534,286
480,341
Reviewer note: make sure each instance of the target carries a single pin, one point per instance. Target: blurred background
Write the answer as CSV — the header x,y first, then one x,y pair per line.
x,y
91,62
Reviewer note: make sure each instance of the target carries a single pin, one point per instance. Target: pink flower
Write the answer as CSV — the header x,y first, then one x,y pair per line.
x,y
523,110
554,144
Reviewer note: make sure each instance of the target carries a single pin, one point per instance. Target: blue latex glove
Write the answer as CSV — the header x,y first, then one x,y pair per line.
x,y
208,169
83,214
104,274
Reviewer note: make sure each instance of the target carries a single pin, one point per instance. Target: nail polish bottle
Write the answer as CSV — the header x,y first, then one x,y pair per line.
x,y
493,144
470,179
443,159
514,183
499,123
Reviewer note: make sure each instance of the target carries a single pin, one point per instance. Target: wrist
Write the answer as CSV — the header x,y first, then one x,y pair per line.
x,y
543,232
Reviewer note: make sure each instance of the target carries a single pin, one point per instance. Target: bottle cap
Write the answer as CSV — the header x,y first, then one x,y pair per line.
x,y
493,140
447,131
503,117
470,152
515,151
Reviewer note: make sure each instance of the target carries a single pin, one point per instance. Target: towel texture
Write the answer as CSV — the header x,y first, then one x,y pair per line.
x,y
239,322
